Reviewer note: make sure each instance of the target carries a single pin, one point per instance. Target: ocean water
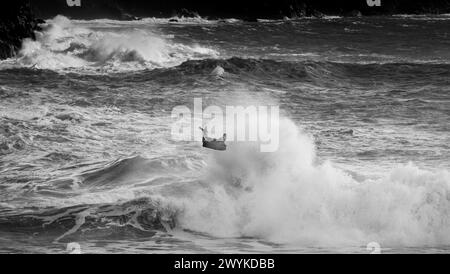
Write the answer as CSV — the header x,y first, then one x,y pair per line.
x,y
87,156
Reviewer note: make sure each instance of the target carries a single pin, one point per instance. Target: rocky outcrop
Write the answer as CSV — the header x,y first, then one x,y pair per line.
x,y
242,9
16,23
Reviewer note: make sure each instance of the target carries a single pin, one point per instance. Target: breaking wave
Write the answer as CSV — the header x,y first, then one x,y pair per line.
x,y
285,197
56,145
322,73
63,45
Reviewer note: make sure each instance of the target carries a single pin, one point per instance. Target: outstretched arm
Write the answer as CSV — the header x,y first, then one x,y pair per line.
x,y
205,131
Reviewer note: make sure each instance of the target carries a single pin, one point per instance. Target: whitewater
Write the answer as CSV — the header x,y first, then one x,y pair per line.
x,y
87,155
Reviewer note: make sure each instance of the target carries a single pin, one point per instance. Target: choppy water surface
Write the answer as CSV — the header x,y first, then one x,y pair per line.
x,y
87,154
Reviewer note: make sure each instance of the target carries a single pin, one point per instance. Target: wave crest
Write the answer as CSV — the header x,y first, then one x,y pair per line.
x,y
287,197
62,45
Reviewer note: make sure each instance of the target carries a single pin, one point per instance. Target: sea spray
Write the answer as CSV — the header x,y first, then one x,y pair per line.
x,y
63,45
99,145
286,197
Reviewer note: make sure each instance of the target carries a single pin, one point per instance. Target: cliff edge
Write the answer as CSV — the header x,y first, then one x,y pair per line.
x,y
17,22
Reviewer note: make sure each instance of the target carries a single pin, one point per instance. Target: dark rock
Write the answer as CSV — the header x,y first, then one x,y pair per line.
x,y
40,21
7,49
129,17
247,10
187,13
17,22
318,14
252,19
354,13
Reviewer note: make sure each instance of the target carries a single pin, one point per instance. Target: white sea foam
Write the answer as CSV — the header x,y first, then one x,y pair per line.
x,y
64,45
286,197
153,20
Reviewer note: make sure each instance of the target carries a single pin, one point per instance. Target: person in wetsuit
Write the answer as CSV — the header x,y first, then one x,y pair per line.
x,y
212,143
